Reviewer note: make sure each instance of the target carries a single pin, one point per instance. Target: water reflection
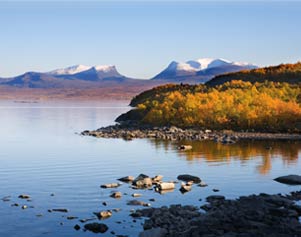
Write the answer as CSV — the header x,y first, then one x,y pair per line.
x,y
263,151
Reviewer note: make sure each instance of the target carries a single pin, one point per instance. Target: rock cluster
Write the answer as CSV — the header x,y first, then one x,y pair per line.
x,y
250,216
165,133
129,132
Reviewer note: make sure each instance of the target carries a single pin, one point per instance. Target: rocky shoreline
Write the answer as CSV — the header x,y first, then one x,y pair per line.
x,y
172,133
263,215
249,216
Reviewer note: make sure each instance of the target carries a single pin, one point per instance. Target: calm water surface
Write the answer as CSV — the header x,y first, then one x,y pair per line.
x,y
41,154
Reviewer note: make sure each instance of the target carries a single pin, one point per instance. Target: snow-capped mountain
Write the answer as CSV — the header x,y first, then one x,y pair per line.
x,y
70,70
103,71
200,70
82,76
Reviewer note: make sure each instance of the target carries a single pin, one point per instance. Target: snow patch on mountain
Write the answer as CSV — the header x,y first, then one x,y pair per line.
x,y
70,70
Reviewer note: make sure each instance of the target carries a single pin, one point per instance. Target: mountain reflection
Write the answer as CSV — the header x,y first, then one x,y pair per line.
x,y
266,151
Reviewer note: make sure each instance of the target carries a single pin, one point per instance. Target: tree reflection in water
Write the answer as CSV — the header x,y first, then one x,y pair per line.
x,y
212,152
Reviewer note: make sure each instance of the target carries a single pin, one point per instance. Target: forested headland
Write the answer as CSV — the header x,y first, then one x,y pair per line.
x,y
270,104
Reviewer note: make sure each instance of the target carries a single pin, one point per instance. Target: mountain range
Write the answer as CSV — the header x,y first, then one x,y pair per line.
x,y
200,70
81,76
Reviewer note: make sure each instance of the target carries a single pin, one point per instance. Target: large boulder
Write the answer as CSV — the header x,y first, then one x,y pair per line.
x,y
289,179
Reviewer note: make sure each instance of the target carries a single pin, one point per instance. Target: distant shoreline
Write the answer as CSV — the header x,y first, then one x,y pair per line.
x,y
177,134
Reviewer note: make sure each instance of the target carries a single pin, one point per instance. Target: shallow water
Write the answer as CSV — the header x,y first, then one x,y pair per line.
x,y
41,154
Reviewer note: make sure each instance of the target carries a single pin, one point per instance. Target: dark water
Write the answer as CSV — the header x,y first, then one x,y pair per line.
x,y
41,154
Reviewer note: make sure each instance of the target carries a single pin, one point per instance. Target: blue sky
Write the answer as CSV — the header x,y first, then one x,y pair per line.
x,y
141,38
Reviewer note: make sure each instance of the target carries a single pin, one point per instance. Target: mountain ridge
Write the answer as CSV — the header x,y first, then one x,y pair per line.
x,y
200,70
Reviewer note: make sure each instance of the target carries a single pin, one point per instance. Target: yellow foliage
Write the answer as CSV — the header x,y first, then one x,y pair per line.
x,y
234,105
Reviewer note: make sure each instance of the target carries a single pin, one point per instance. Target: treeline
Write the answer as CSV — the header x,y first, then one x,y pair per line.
x,y
290,73
236,105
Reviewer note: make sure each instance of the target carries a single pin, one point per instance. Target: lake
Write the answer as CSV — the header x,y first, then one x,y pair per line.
x,y
42,154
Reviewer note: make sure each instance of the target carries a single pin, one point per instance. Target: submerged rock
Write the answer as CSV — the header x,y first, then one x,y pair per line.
x,y
138,203
24,196
111,185
76,227
58,210
96,227
289,179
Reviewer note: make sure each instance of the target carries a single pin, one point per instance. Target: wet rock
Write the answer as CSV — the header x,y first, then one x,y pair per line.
x,y
143,181
72,217
202,184
111,185
185,188
157,179
24,196
59,210
213,198
15,205
165,186
116,209
215,190
103,214
155,232
248,216
187,178
136,195
138,203
127,179
96,227
6,199
87,219
76,227
185,147
289,179
116,195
